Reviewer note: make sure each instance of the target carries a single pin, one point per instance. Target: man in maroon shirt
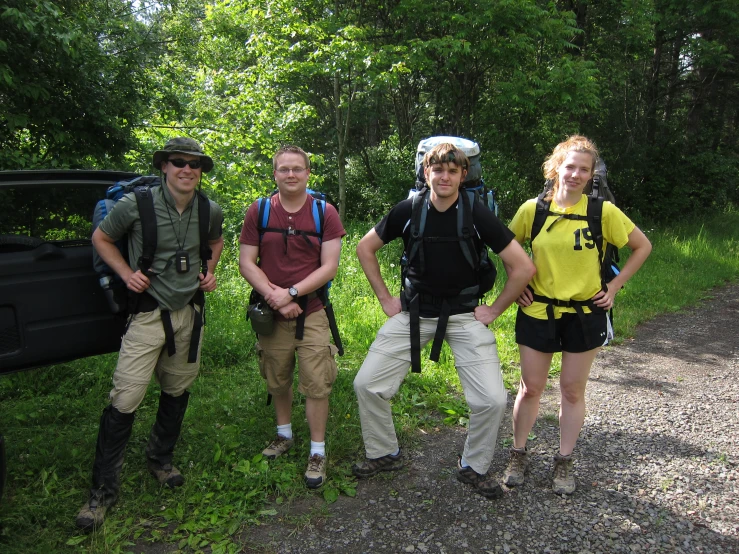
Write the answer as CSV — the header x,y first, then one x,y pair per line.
x,y
285,265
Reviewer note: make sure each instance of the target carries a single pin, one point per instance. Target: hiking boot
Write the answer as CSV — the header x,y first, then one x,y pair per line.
x,y
91,515
513,475
277,447
483,484
373,466
315,475
564,477
166,474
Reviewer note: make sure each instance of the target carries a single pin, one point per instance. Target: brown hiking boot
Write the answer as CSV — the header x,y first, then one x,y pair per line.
x,y
513,475
277,447
166,474
91,515
564,476
315,475
483,484
373,466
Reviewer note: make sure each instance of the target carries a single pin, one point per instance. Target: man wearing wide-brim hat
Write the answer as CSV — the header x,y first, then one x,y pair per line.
x,y
164,332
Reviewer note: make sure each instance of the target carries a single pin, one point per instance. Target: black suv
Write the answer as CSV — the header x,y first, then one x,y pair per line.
x,y
52,308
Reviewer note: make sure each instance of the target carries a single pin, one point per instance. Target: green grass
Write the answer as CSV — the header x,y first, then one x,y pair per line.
x,y
50,416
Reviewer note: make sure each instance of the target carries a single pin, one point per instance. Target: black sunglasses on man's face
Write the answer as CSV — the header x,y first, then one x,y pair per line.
x,y
179,162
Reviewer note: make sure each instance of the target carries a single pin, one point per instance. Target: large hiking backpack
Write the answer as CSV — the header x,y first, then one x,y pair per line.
x,y
473,181
318,210
115,290
472,194
597,192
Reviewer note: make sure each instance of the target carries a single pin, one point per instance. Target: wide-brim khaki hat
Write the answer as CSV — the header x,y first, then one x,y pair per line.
x,y
182,145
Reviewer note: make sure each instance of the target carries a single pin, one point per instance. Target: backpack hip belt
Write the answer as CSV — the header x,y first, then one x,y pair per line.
x,y
576,304
144,303
411,302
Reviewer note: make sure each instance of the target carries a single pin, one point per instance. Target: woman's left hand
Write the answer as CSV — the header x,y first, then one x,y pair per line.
x,y
604,299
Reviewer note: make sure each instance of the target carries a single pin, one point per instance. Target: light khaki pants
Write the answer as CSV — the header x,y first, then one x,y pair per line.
x,y
478,366
144,352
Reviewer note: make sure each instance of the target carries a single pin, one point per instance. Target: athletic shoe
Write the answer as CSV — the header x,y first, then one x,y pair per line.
x,y
373,466
483,484
564,477
315,475
513,475
277,447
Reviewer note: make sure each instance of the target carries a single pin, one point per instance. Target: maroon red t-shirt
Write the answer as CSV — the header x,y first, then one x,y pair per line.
x,y
287,260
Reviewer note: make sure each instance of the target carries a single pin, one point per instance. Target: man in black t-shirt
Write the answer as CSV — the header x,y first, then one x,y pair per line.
x,y
438,278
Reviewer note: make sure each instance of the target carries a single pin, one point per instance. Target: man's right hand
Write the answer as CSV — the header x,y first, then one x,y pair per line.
x,y
526,298
138,282
392,306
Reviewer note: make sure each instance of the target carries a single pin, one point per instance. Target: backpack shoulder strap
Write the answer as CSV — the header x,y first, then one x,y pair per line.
x,y
319,210
595,224
263,205
541,214
206,253
466,227
419,212
145,203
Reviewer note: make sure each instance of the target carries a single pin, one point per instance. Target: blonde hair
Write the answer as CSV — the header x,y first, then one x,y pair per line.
x,y
575,143
290,149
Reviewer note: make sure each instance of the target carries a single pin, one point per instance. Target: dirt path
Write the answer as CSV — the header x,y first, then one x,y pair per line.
x,y
657,466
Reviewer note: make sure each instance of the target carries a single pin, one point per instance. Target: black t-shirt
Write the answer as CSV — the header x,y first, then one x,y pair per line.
x,y
447,271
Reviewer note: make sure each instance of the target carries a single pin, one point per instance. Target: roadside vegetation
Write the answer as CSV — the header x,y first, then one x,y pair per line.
x,y
50,416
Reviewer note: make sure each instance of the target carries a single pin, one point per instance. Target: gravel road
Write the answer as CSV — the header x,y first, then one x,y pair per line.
x,y
657,465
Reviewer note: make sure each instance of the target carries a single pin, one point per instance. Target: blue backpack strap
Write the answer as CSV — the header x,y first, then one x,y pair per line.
x,y
319,209
263,205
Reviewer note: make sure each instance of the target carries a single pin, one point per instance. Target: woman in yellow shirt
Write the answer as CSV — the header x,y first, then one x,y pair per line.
x,y
567,289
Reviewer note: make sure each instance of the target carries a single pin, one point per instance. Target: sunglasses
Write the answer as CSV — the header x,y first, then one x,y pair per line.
x,y
179,162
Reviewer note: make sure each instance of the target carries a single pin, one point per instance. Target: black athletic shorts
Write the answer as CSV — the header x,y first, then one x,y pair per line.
x,y
569,334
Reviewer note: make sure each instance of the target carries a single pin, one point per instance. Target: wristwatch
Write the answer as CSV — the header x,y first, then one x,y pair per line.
x,y
292,291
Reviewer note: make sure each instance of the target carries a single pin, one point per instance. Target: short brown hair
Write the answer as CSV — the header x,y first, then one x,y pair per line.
x,y
446,152
290,149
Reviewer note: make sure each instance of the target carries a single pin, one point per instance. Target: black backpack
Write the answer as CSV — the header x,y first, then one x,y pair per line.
x,y
115,290
597,192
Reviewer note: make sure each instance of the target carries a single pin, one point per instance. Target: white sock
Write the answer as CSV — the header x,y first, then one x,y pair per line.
x,y
318,448
285,430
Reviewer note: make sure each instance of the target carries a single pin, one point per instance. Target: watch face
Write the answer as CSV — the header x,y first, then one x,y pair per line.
x,y
292,291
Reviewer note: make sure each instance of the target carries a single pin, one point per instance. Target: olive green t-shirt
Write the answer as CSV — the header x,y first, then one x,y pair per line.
x,y
175,231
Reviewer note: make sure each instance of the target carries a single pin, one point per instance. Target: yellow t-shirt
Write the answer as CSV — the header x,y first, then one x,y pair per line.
x,y
565,255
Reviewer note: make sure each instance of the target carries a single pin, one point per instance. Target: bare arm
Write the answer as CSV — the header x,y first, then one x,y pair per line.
x,y
640,250
367,254
519,269
106,247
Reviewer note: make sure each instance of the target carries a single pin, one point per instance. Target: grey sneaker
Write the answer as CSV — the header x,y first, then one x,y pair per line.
x,y
277,447
166,474
513,475
373,466
315,475
564,477
91,515
483,484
